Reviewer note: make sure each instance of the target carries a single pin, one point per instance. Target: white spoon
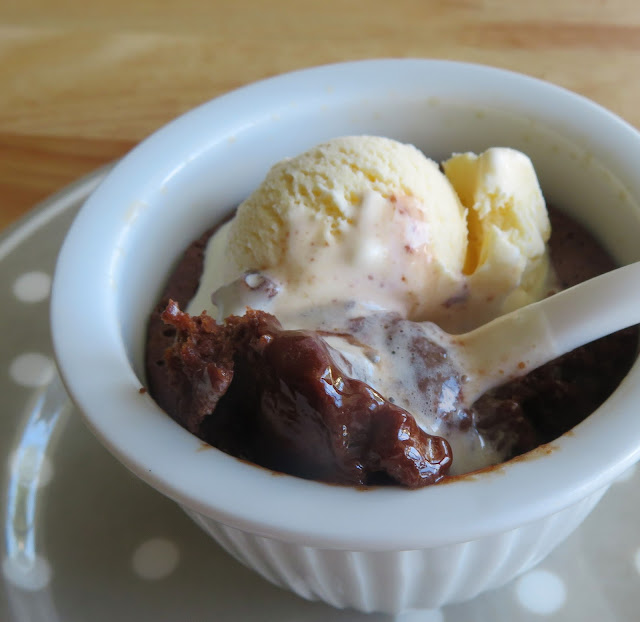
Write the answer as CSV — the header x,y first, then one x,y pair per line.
x,y
519,342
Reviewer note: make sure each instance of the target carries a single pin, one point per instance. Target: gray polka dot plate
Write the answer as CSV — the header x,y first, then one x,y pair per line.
x,y
85,540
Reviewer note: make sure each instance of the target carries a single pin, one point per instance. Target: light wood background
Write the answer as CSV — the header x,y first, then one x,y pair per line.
x,y
82,81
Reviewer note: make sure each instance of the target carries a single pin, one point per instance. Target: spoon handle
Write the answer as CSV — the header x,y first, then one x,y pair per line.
x,y
595,308
519,342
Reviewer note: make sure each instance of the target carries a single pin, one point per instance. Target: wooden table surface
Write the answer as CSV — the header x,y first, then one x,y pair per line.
x,y
82,81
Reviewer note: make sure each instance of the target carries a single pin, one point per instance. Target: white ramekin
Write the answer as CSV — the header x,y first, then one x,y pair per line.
x,y
385,549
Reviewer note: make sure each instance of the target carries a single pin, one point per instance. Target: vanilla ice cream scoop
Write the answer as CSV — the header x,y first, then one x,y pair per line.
x,y
370,221
507,263
357,218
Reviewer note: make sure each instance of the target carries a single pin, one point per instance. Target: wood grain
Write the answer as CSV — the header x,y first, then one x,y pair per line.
x,y
33,167
80,83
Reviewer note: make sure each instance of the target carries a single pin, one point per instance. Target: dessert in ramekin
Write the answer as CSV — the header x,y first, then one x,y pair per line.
x,y
380,549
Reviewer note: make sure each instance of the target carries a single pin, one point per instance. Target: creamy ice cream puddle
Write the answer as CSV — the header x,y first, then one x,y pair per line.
x,y
437,376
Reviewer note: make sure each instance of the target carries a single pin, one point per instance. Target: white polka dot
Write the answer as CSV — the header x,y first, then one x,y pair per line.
x,y
32,369
627,475
541,591
29,466
32,286
155,559
422,615
27,574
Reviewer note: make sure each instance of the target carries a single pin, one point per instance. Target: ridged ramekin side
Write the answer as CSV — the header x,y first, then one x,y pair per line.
x,y
394,581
